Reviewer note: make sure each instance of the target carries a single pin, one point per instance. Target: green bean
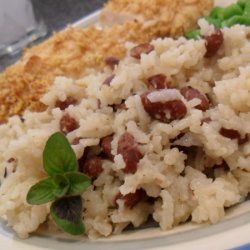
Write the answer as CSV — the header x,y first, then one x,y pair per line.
x,y
247,9
245,20
216,12
194,34
214,21
242,3
230,11
226,17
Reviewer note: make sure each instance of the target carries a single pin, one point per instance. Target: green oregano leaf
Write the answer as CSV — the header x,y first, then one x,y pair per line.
x,y
41,193
58,156
61,185
78,183
67,214
64,185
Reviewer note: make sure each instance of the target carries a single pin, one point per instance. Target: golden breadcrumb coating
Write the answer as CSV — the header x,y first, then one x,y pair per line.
x,y
168,17
71,52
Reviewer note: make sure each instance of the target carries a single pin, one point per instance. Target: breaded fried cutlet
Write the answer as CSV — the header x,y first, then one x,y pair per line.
x,y
74,50
167,17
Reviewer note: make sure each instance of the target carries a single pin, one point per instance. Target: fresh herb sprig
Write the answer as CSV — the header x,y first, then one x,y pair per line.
x,y
63,186
237,13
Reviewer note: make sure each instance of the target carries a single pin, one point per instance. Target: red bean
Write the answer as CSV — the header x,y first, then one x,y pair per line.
x,y
126,142
206,120
76,140
158,81
230,133
92,167
131,158
11,160
106,146
64,104
164,111
111,62
144,48
234,134
68,124
213,43
131,199
108,80
190,93
127,147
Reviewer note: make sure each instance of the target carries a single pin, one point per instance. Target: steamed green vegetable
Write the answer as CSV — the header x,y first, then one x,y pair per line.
x,y
193,34
238,13
244,20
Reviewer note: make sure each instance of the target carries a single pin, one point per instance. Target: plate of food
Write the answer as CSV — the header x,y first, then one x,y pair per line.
x,y
130,129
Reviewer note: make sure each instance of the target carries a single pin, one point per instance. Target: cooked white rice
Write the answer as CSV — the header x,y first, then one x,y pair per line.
x,y
179,189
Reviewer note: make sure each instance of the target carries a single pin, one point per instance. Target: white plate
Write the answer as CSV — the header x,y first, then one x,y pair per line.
x,y
230,233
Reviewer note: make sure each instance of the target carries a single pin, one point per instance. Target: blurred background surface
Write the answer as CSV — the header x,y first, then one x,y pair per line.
x,y
57,14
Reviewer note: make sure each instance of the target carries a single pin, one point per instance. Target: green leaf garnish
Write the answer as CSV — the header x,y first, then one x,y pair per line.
x,y
78,183
63,186
41,193
58,156
67,214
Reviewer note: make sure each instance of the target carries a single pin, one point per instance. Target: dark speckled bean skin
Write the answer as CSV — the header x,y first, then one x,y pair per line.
x,y
127,147
64,104
92,167
213,43
106,147
140,49
68,124
131,199
164,111
190,93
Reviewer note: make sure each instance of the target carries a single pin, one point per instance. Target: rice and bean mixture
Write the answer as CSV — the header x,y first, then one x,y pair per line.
x,y
162,133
